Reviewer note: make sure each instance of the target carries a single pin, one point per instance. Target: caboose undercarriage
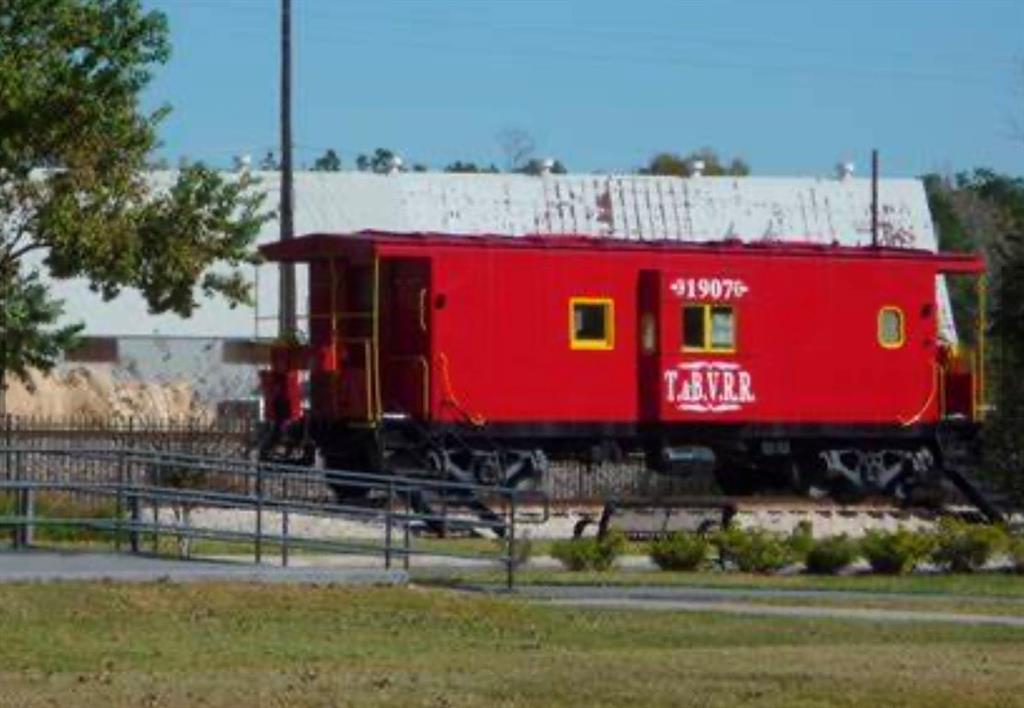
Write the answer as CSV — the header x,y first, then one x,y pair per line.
x,y
845,462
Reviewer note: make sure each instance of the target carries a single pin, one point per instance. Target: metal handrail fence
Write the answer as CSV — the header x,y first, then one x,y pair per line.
x,y
129,488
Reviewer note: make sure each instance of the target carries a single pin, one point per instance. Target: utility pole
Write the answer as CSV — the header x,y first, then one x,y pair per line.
x,y
286,299
874,198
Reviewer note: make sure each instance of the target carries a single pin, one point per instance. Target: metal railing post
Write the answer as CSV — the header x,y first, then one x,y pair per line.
x,y
512,540
19,503
406,540
259,513
389,512
136,511
156,525
29,529
284,523
444,513
119,509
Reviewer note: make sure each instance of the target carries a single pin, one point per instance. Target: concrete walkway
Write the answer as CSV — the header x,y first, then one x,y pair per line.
x,y
731,601
34,566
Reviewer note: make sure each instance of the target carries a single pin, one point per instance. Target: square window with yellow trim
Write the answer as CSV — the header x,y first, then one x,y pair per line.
x,y
591,323
891,333
709,328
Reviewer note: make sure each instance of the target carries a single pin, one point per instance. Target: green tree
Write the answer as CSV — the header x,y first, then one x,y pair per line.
x,y
537,166
675,165
947,206
984,211
30,338
328,162
269,162
1005,431
74,146
381,161
470,168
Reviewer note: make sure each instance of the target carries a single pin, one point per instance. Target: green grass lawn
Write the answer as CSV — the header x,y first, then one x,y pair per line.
x,y
221,644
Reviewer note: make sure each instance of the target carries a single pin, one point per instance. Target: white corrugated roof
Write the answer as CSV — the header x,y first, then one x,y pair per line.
x,y
617,206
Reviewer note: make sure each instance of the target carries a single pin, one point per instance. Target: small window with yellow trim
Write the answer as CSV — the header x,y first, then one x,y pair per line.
x,y
709,328
891,333
591,323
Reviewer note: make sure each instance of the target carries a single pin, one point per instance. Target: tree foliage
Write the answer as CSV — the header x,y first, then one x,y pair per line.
x,y
984,211
269,162
470,168
74,197
1005,432
328,162
26,326
381,161
537,166
675,165
518,146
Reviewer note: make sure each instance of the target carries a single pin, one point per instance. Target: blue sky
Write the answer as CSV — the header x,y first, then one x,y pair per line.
x,y
792,87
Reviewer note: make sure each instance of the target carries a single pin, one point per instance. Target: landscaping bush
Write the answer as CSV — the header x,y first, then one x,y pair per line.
x,y
801,540
680,551
895,552
753,550
590,553
830,555
964,548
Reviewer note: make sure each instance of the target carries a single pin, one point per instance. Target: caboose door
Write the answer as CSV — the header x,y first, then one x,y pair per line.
x,y
649,337
405,285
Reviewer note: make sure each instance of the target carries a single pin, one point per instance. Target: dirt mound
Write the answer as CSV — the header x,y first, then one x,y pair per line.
x,y
91,391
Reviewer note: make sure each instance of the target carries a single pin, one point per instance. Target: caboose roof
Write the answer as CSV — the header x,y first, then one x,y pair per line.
x,y
318,246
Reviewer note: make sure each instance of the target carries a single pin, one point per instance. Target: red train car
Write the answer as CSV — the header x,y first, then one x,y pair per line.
x,y
481,357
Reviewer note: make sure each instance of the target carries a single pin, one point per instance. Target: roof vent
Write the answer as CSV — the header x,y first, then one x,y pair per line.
x,y
697,168
844,170
546,165
394,165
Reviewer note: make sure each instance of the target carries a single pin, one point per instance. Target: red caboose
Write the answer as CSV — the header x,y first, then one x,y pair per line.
x,y
481,357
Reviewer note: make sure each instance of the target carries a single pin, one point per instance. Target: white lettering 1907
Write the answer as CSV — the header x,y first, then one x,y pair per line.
x,y
709,288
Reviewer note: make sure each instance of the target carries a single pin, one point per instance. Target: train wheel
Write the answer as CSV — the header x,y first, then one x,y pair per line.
x,y
736,481
846,492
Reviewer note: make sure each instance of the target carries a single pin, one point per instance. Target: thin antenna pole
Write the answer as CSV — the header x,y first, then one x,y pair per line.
x,y
286,312
874,198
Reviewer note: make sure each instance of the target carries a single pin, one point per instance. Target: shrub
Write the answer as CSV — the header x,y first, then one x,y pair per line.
x,y
680,551
590,553
754,550
964,548
895,552
801,540
830,555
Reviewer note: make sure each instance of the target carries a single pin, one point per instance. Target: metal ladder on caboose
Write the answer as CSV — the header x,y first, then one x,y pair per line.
x,y
958,463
